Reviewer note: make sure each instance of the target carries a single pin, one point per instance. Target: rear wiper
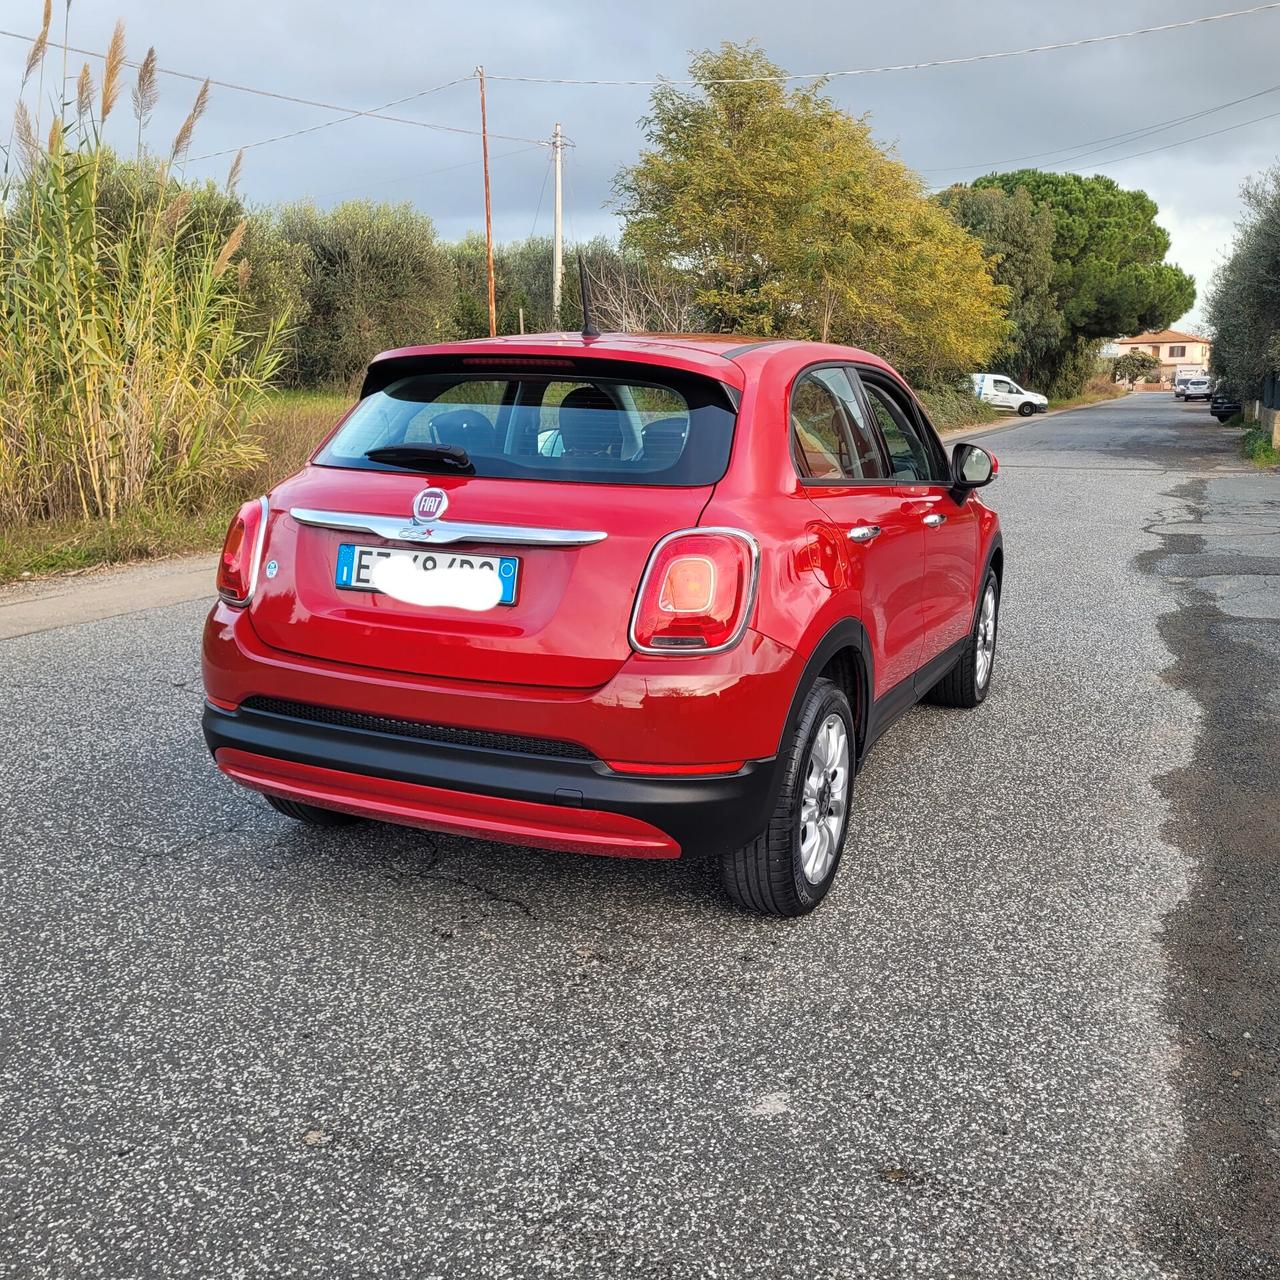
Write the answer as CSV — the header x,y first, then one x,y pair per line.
x,y
423,457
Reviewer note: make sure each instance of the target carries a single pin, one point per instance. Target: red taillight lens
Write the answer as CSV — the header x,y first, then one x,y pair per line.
x,y
238,564
696,593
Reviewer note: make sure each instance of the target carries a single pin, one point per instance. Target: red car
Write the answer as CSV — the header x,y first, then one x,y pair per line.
x,y
645,596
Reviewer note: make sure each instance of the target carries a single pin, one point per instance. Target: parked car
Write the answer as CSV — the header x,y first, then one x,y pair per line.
x,y
1224,403
1003,393
650,597
1197,389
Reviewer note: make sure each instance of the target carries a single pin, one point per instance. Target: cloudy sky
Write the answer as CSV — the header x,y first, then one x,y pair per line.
x,y
952,123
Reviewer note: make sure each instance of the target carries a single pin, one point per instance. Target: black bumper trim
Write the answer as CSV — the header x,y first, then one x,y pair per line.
x,y
704,815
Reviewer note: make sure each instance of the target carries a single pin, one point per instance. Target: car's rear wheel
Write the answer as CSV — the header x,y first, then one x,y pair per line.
x,y
1026,409
310,814
788,868
966,684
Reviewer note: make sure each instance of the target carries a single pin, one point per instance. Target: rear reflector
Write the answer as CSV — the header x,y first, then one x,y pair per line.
x,y
697,592
675,770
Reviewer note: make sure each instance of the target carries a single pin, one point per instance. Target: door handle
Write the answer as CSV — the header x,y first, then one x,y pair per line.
x,y
864,532
934,519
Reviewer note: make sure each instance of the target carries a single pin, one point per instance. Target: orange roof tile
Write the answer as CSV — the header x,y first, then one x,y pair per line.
x,y
1165,335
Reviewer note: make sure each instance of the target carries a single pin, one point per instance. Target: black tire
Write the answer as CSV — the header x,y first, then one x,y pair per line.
x,y
1026,409
964,685
309,814
767,876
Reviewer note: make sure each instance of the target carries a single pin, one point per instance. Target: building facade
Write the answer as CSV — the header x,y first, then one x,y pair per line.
x,y
1171,348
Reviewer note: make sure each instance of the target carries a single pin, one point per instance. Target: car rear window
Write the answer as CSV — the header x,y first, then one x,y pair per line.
x,y
652,427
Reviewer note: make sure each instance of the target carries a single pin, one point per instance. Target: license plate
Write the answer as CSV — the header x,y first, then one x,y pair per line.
x,y
354,571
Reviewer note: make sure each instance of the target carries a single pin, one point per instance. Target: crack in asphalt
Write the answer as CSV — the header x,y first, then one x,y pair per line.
x,y
490,895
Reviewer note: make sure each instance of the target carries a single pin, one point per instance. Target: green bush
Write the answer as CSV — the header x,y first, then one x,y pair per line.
x,y
950,407
374,276
1256,445
1244,304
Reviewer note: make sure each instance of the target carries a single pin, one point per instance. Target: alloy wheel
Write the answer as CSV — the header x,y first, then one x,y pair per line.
x,y
824,798
985,650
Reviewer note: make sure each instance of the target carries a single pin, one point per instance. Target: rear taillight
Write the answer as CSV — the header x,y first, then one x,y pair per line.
x,y
241,552
696,593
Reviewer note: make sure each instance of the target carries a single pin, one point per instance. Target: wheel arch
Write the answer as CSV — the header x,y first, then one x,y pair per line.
x,y
994,563
843,655
995,560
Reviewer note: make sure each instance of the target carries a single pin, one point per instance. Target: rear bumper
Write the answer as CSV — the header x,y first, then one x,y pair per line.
x,y
726,706
576,805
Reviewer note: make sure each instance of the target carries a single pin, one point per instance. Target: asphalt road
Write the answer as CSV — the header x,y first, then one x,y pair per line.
x,y
1033,1032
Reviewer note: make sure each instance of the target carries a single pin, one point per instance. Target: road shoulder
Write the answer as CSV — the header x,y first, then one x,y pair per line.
x,y
45,604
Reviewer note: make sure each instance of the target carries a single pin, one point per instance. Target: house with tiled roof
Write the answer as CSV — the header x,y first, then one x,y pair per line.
x,y
1171,347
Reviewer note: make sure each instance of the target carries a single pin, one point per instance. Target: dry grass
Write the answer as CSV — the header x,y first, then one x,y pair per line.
x,y
1100,387
293,424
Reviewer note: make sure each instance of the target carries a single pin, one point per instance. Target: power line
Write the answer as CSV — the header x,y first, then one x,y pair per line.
x,y
346,113
261,93
914,66
542,191
426,173
328,124
1182,142
374,113
1087,148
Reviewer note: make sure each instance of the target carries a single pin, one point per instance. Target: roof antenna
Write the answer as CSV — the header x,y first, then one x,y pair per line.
x,y
589,329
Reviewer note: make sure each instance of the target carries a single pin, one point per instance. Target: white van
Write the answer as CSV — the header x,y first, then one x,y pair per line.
x,y
1003,393
1184,374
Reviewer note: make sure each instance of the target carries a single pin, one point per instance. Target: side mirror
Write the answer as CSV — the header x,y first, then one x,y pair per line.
x,y
971,468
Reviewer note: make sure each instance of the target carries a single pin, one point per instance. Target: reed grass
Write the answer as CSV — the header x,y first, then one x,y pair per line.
x,y
293,424
128,376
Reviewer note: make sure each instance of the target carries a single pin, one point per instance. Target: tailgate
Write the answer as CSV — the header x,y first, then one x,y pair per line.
x,y
567,626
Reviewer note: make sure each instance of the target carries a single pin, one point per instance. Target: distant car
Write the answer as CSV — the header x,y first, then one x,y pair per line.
x,y
1197,389
1003,393
1182,375
657,598
1224,403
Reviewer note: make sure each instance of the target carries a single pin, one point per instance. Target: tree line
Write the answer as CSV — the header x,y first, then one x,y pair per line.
x,y
756,209
142,316
1244,300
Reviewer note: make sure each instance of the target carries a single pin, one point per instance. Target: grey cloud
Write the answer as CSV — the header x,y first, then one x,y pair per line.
x,y
367,54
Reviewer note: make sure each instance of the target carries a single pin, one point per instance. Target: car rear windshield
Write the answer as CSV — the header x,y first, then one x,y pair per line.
x,y
645,426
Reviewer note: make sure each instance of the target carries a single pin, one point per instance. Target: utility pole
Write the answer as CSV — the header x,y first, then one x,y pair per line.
x,y
557,252
488,207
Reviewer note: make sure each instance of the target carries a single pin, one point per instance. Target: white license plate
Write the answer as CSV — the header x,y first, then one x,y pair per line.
x,y
354,571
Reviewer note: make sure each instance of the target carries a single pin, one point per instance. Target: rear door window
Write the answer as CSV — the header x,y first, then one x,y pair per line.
x,y
831,436
675,429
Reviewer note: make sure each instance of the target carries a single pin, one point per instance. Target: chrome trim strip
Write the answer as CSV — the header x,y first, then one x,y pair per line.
x,y
444,532
753,587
